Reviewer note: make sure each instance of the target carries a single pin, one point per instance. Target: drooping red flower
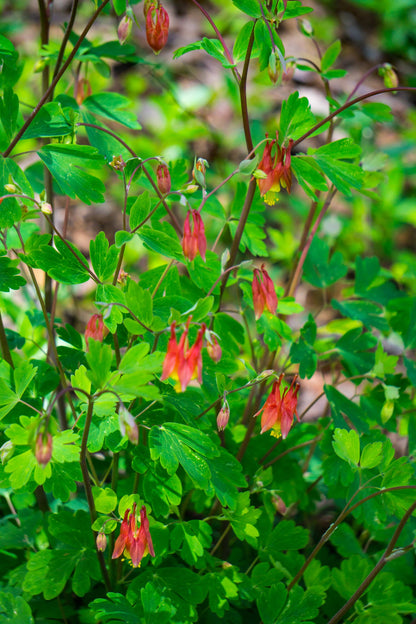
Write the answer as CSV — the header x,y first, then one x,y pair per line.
x,y
276,171
157,26
95,328
135,542
264,294
194,241
278,411
181,362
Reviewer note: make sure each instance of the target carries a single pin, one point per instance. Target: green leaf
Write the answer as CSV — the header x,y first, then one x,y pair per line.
x,y
365,311
296,117
114,609
130,362
240,48
249,7
60,263
10,173
161,243
111,106
319,270
304,354
342,407
191,539
334,159
14,610
119,6
331,55
295,8
366,271
197,45
49,122
371,455
158,608
105,499
347,445
355,348
139,210
160,490
226,477
68,164
99,358
103,257
309,175
214,48
302,606
9,110
287,536
140,302
271,602
10,278
175,444
243,518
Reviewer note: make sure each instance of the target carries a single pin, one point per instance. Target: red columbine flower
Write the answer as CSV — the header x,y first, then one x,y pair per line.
x,y
264,294
95,328
183,363
163,178
278,411
134,542
157,26
194,241
276,171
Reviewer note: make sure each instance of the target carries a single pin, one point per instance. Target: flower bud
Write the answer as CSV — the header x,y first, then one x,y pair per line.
x,y
199,171
101,541
387,411
389,75
305,27
10,188
46,208
163,178
95,328
6,451
274,68
124,29
43,450
157,26
82,90
117,163
223,416
146,6
128,425
214,349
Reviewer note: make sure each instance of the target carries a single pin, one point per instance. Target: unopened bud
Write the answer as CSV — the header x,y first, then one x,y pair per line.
x,y
101,541
163,178
82,90
43,451
223,416
305,27
157,26
6,451
46,208
10,188
213,348
95,328
117,163
146,6
124,29
274,68
122,277
387,411
287,76
279,505
128,425
199,171
189,189
389,76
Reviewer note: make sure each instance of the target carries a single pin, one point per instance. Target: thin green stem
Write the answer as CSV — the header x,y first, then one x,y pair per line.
x,y
88,491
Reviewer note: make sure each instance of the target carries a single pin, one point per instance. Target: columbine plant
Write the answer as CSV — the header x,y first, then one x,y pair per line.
x,y
143,358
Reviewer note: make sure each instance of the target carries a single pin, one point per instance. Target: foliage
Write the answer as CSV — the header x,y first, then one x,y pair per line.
x,y
252,272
